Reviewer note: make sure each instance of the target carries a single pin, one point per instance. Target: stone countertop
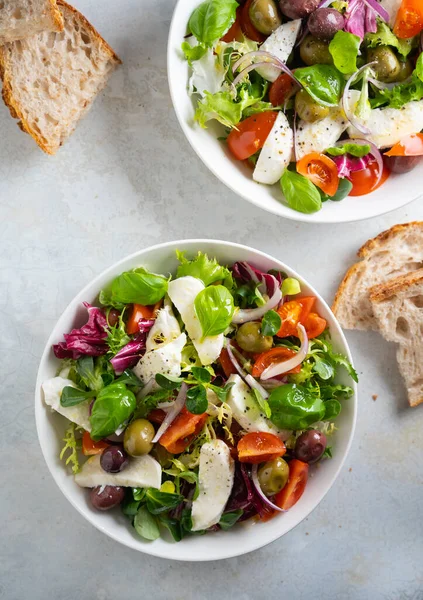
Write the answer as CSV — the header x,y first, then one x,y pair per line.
x,y
128,179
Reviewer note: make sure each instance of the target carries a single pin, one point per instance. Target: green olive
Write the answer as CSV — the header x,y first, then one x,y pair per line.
x,y
250,338
273,476
138,437
265,16
387,67
308,109
315,52
162,456
406,69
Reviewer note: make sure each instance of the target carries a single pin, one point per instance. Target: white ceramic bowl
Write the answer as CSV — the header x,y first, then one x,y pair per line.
x,y
244,537
396,192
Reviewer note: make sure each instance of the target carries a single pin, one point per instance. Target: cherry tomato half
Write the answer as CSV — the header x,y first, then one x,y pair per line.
x,y
90,447
251,134
292,313
141,312
293,490
281,89
247,27
234,34
182,431
409,146
259,446
409,21
321,170
314,325
226,363
365,181
270,357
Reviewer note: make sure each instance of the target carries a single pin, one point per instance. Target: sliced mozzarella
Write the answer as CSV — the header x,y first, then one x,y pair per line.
x,y
276,152
165,329
388,126
79,414
280,44
208,74
320,135
141,471
392,6
183,292
246,411
165,360
216,478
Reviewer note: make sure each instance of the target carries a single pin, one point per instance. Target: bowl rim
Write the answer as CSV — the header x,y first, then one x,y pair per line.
x,y
291,214
40,414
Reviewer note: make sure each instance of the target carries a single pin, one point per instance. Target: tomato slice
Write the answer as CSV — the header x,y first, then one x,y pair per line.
x,y
314,325
281,89
293,490
409,146
226,363
140,312
294,312
259,446
320,170
182,431
270,357
409,21
365,181
234,34
90,447
251,134
247,26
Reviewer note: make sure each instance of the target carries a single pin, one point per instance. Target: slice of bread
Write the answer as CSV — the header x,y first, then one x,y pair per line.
x,y
51,79
398,308
394,252
20,19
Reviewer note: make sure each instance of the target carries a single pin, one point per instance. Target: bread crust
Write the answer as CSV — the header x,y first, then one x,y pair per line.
x,y
377,241
7,93
57,16
343,286
392,287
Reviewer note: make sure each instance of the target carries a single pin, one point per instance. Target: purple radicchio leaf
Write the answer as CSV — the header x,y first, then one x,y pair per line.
x,y
347,164
89,340
130,354
246,272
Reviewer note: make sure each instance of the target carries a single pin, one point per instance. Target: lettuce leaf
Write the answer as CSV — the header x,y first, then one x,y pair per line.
x,y
71,449
385,37
204,268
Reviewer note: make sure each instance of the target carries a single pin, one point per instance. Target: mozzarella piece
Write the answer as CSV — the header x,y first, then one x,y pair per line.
x,y
388,126
141,471
216,478
183,292
246,411
79,414
165,329
276,152
320,135
280,44
165,360
392,6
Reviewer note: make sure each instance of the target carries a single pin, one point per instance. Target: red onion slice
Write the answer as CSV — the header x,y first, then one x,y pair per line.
x,y
255,384
346,104
374,151
254,477
291,363
271,384
234,361
173,413
252,314
381,12
272,61
147,389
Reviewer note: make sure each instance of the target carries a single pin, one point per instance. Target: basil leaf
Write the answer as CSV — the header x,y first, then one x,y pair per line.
x,y
324,83
271,323
212,19
263,404
192,53
114,404
294,407
344,48
215,308
72,396
229,519
168,382
204,268
356,150
138,286
300,193
196,401
344,188
159,502
324,369
332,409
201,374
146,525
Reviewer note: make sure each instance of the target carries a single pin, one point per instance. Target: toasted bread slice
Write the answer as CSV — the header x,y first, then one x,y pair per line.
x,y
20,19
398,309
50,80
394,252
